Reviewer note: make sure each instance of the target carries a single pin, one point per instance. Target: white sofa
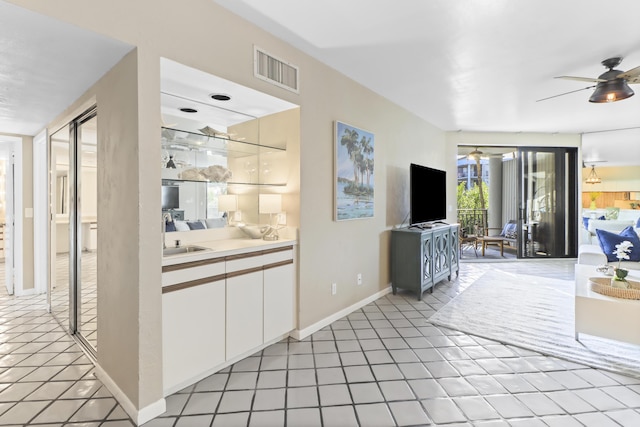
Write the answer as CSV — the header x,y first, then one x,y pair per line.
x,y
589,236
590,252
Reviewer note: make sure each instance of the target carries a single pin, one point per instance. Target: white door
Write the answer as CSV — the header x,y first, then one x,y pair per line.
x,y
40,212
9,224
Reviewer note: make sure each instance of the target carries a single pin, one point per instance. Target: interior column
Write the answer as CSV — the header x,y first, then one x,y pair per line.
x,y
495,192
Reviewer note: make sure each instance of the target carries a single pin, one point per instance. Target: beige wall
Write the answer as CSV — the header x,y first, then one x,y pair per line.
x,y
129,272
281,130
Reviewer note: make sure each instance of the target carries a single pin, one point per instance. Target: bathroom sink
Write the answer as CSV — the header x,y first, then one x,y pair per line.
x,y
183,250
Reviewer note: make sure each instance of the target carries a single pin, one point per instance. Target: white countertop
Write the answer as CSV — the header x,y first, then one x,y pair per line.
x,y
225,247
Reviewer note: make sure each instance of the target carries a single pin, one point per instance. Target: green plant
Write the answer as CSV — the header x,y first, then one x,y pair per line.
x,y
470,198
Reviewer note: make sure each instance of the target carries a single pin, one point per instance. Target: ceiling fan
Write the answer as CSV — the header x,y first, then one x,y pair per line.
x,y
610,86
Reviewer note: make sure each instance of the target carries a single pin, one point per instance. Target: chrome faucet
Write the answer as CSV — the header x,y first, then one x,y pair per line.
x,y
165,216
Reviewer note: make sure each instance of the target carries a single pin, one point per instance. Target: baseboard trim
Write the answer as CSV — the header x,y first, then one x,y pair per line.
x,y
24,292
139,416
301,334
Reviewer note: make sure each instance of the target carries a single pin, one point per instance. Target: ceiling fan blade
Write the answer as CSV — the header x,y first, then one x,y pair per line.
x,y
630,76
566,93
581,79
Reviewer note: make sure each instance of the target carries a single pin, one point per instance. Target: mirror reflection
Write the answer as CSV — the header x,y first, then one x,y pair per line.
x,y
213,148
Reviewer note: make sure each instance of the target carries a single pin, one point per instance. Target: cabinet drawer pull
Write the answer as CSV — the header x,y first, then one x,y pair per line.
x,y
192,283
242,272
278,264
191,264
274,250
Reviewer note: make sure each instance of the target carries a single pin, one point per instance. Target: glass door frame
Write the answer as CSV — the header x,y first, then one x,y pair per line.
x,y
565,190
75,226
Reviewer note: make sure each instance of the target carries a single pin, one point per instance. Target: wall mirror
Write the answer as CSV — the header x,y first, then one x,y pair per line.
x,y
220,143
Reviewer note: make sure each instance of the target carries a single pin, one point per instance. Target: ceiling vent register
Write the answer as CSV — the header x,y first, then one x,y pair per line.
x,y
275,71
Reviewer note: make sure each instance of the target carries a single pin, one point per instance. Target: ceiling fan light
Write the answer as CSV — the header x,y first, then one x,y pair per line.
x,y
611,91
593,178
475,154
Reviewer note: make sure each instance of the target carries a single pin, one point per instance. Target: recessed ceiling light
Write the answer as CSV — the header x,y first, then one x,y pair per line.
x,y
220,97
188,110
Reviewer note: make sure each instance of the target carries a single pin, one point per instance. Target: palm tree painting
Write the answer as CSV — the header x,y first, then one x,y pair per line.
x,y
354,167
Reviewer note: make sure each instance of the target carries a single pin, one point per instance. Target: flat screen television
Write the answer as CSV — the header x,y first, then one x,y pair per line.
x,y
427,194
170,197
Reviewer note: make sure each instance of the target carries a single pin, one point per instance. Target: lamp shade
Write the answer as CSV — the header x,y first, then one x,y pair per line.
x,y
228,202
611,91
270,203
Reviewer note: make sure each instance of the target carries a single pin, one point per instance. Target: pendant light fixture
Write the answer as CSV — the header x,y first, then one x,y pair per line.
x,y
593,178
611,85
611,90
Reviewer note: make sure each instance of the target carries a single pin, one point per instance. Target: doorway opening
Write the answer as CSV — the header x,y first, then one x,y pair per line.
x,y
517,202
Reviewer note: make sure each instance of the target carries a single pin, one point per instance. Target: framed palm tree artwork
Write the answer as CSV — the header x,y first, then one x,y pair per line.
x,y
354,172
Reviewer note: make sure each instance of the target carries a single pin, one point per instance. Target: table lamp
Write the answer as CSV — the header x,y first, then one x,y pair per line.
x,y
270,204
228,203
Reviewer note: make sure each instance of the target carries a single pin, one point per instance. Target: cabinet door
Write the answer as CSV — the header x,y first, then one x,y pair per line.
x,y
244,313
193,325
427,259
441,254
454,247
279,295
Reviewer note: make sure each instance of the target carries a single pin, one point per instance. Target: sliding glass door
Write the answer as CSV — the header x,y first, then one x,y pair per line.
x,y
74,222
547,187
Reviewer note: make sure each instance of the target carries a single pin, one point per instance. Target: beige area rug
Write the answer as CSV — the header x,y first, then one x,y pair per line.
x,y
534,313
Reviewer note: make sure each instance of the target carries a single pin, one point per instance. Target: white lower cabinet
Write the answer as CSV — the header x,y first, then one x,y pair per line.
x,y
215,310
244,313
193,325
279,301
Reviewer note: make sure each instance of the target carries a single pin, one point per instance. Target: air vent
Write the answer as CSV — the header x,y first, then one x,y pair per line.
x,y
269,68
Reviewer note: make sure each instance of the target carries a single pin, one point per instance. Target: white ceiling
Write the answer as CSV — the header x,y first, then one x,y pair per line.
x,y
461,65
467,64
183,86
45,66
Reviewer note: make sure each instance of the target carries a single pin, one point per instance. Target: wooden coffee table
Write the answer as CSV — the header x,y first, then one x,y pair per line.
x,y
488,240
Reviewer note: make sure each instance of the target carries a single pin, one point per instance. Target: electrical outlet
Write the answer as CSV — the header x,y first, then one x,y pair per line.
x,y
282,218
359,279
334,288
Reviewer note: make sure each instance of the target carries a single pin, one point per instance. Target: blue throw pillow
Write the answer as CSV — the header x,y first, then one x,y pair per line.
x,y
510,230
585,222
169,226
196,225
638,223
609,240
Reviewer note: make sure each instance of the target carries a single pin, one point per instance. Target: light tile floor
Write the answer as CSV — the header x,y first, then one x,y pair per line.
x,y
381,365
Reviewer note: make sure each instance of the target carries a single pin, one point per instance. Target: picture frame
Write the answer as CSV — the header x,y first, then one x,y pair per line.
x,y
354,167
